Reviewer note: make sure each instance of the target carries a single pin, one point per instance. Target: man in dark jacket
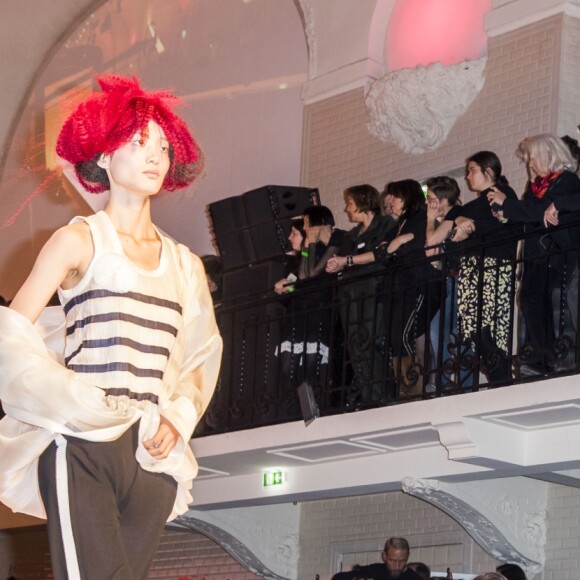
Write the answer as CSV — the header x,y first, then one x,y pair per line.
x,y
395,556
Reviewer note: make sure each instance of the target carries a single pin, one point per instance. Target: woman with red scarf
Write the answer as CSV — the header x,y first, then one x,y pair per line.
x,y
549,256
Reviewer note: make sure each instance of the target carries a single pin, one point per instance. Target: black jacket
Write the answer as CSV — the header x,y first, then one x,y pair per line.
x,y
375,572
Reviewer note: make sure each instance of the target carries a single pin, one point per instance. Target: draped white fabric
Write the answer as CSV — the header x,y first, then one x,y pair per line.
x,y
42,398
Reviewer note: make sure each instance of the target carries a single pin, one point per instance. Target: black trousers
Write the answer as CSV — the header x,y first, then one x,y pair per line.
x,y
117,509
538,284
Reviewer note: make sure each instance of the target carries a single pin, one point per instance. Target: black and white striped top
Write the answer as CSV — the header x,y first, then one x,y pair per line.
x,y
122,321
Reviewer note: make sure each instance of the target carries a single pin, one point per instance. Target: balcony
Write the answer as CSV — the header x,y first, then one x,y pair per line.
x,y
454,409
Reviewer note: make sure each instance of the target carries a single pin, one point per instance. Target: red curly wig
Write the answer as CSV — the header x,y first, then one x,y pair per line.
x,y
109,119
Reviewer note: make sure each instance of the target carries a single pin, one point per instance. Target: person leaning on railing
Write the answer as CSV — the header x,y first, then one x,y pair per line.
x,y
360,313
548,255
294,338
405,307
484,289
306,333
442,195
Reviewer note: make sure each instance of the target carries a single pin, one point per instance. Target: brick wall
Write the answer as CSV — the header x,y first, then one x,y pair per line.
x,y
353,530
183,553
520,97
27,550
569,109
563,536
179,554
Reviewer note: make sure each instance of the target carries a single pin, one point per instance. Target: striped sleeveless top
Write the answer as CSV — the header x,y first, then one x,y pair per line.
x,y
122,321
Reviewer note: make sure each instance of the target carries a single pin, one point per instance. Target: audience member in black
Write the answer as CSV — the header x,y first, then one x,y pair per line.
x,y
566,305
360,313
411,305
213,271
486,279
422,569
442,195
322,241
549,256
404,294
394,565
511,572
304,348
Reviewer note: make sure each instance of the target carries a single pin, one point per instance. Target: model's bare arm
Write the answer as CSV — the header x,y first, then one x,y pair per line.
x,y
62,262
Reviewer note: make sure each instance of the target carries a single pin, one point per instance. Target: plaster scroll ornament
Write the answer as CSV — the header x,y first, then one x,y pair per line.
x,y
493,529
309,29
416,108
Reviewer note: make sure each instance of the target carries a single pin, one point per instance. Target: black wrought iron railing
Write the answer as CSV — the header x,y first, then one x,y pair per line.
x,y
484,313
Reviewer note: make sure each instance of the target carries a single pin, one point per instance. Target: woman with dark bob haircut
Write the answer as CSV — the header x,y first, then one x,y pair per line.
x,y
405,307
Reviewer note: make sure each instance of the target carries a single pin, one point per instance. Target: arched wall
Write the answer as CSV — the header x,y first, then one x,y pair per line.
x,y
239,67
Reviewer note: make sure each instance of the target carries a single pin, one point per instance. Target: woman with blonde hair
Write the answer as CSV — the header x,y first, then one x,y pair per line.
x,y
549,256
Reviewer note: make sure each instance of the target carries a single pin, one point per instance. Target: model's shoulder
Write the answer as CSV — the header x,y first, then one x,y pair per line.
x,y
189,262
72,236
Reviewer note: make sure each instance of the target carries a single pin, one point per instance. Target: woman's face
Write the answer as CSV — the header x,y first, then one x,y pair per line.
x,y
535,167
351,210
477,180
386,206
397,205
295,239
442,204
141,164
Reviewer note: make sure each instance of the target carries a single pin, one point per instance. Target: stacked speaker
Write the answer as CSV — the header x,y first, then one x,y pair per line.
x,y
251,231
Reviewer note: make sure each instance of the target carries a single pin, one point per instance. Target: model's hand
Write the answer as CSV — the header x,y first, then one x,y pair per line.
x,y
551,216
494,195
335,264
161,444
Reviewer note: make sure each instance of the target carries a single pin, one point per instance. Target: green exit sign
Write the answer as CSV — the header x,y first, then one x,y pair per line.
x,y
273,477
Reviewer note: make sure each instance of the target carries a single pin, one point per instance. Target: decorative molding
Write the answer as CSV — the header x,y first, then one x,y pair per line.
x,y
508,522
456,439
416,108
262,539
516,14
348,78
309,24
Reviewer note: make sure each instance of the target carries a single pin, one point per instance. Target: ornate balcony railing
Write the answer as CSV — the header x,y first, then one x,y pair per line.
x,y
413,328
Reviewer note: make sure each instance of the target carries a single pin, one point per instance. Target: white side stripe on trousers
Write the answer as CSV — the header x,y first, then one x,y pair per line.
x,y
68,541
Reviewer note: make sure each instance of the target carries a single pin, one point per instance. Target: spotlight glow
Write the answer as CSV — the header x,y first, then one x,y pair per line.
x,y
421,32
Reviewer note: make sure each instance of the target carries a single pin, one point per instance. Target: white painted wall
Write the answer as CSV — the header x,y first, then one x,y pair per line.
x,y
239,64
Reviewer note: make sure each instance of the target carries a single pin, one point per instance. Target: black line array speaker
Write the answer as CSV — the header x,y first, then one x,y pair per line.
x,y
252,279
276,202
236,249
228,215
254,226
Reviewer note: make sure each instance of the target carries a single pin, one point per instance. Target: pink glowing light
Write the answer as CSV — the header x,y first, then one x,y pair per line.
x,y
421,32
